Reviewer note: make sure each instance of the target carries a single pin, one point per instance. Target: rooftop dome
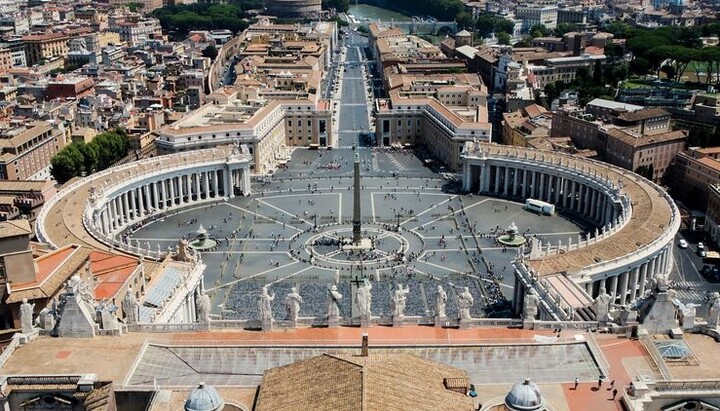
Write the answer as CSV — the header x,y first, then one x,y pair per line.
x,y
524,396
204,398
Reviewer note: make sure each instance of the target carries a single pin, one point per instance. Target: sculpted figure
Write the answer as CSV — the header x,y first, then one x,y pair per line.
x,y
26,316
202,306
602,306
333,302
399,301
440,302
713,310
264,302
292,304
530,306
363,299
465,302
130,306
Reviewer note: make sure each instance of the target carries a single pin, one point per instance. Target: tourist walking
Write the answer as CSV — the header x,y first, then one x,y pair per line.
x,y
577,382
615,391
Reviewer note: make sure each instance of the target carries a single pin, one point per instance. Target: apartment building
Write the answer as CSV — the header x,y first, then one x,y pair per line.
x,y
267,131
27,149
623,134
438,111
39,47
533,15
521,126
692,173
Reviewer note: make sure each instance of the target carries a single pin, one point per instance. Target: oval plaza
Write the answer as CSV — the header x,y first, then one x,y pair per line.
x,y
635,219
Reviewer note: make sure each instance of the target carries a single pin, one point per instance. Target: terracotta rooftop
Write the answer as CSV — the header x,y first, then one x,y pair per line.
x,y
53,269
643,114
111,272
376,382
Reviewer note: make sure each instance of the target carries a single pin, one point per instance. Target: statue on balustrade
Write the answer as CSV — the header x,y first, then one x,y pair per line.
x,y
26,316
333,303
400,301
363,299
440,302
130,307
713,310
530,305
202,307
264,305
465,301
292,304
602,306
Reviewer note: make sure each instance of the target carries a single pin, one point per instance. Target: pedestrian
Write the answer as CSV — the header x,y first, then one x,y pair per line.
x,y
612,384
600,381
615,391
577,382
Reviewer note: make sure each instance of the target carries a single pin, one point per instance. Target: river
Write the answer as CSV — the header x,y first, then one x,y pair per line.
x,y
366,11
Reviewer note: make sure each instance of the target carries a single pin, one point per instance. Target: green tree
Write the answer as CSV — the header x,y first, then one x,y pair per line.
x,y
539,30
210,51
563,28
135,6
646,171
503,38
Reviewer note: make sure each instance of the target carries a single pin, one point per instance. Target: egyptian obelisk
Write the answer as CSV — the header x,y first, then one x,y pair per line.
x,y
356,201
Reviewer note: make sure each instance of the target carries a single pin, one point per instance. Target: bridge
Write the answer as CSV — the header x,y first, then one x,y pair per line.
x,y
419,27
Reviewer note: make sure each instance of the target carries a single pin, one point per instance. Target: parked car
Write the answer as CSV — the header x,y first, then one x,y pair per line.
x,y
683,243
701,246
702,253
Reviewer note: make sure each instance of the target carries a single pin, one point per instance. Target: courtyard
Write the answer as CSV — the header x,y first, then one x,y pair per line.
x,y
425,234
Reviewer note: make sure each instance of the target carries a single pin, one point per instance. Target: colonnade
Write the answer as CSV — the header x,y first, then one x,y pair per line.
x,y
626,286
552,185
588,195
138,200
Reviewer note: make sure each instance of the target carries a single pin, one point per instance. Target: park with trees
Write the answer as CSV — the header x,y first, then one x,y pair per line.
x,y
80,158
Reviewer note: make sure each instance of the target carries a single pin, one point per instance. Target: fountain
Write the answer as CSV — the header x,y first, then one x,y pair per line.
x,y
201,241
511,237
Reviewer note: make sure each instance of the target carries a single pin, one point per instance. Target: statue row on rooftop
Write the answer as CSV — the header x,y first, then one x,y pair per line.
x,y
362,301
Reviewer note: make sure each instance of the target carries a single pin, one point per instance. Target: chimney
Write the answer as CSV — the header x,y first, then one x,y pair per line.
x,y
364,349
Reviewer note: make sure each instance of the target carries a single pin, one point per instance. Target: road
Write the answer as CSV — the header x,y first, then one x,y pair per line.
x,y
686,273
353,107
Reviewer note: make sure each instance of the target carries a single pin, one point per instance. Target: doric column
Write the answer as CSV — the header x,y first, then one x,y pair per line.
x,y
156,197
534,188
197,186
613,287
623,287
643,277
215,183
525,183
133,204
634,283
506,183
206,184
125,207
496,188
171,181
148,203
163,193
113,214
573,193
602,285
104,220
247,188
466,176
541,187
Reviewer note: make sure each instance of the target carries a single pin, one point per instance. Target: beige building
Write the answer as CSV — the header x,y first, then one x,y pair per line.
x,y
528,123
626,135
28,148
44,46
438,111
268,131
692,173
